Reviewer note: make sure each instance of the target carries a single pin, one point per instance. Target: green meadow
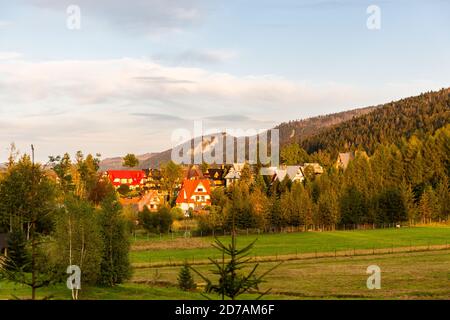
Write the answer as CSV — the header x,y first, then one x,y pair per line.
x,y
168,250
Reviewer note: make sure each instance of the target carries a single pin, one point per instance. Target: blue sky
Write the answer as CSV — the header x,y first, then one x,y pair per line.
x,y
138,70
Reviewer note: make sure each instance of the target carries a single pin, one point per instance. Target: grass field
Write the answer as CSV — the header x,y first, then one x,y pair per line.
x,y
165,250
420,275
405,275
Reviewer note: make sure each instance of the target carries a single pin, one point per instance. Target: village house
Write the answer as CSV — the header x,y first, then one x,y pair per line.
x,y
152,200
294,173
153,179
193,172
216,176
234,174
195,194
345,158
132,178
317,168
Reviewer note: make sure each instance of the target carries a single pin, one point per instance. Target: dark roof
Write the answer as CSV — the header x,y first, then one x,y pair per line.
x,y
216,174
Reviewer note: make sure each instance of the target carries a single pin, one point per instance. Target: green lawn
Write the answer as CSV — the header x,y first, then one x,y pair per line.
x,y
408,275
127,291
297,243
418,275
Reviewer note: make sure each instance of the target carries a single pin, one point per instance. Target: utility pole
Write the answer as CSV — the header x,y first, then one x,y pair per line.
x,y
33,236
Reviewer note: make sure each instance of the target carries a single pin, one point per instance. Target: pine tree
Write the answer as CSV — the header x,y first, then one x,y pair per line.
x,y
185,279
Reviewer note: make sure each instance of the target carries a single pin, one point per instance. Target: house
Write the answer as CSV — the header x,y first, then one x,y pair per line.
x,y
132,178
192,172
234,173
195,194
344,159
294,173
152,200
153,178
317,168
216,176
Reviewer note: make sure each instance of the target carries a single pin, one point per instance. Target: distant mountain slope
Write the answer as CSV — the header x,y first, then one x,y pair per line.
x,y
386,124
297,130
292,131
344,130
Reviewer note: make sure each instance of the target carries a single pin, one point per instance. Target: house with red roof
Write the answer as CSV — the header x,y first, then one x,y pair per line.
x,y
195,194
132,178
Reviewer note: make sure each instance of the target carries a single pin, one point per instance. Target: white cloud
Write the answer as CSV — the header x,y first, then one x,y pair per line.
x,y
132,105
10,55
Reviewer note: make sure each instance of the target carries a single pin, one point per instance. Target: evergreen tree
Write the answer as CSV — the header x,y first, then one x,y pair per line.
x,y
428,205
115,265
391,206
232,281
443,197
18,258
185,279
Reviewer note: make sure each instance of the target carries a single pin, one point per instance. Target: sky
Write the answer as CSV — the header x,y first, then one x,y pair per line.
x,y
125,75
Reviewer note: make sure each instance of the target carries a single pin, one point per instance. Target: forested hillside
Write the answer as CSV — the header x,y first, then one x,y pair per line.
x,y
387,124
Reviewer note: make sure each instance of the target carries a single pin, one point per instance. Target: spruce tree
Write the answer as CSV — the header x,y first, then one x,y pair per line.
x,y
185,279
18,257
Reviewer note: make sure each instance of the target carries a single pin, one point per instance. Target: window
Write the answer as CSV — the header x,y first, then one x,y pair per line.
x,y
199,189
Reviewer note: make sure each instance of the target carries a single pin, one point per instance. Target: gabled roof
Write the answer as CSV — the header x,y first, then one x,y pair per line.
x,y
233,174
292,172
295,172
193,172
189,189
345,158
280,174
215,174
151,197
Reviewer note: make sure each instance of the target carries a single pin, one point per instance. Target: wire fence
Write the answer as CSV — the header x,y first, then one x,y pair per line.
x,y
188,233
297,254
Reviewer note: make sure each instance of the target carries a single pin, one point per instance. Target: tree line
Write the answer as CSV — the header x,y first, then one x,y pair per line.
x,y
404,182
74,218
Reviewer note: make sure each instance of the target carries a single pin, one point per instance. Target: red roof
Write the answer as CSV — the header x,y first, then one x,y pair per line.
x,y
189,189
133,177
